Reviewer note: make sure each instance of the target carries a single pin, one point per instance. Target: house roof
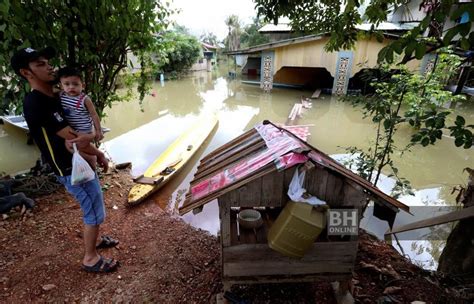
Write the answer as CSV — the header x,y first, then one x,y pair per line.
x,y
382,26
251,144
276,44
286,42
209,46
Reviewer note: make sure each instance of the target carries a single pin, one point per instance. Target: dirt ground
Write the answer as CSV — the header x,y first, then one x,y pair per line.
x,y
164,260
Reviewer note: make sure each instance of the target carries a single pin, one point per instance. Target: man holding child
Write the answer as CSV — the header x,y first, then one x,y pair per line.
x,y
51,132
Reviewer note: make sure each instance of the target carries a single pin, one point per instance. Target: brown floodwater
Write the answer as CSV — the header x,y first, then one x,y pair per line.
x,y
140,132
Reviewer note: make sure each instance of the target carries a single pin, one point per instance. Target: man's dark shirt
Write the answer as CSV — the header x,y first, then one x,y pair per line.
x,y
44,116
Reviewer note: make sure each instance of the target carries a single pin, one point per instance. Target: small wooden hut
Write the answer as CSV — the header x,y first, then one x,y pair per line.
x,y
254,170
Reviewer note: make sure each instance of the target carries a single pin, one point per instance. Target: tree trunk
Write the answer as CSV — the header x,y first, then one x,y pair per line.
x,y
457,257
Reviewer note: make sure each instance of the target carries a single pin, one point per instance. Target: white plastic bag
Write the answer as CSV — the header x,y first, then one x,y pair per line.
x,y
298,194
81,171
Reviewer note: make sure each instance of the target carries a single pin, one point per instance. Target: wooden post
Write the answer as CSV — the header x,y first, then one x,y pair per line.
x,y
224,214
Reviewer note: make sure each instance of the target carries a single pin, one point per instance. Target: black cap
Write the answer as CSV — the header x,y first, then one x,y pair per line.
x,y
23,57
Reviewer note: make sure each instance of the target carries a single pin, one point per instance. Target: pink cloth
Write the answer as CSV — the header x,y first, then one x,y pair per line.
x,y
280,147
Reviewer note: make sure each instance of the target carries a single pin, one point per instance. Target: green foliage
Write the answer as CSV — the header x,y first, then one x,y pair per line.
x,y
405,98
182,52
94,36
232,41
339,19
209,38
251,36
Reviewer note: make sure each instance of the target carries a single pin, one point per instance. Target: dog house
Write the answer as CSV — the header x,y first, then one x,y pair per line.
x,y
254,171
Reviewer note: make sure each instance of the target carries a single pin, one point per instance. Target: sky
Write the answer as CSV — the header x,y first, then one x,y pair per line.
x,y
209,15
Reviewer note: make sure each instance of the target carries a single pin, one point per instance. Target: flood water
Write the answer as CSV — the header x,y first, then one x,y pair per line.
x,y
141,132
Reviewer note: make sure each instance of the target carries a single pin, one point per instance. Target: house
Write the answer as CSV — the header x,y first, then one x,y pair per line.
x,y
254,171
303,62
208,59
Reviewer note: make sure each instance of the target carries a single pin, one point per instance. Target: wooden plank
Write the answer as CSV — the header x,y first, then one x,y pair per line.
x,y
247,236
316,93
224,215
262,232
321,251
225,160
334,190
354,196
231,151
464,213
322,179
250,194
272,189
311,181
148,180
234,236
260,260
228,145
190,205
288,175
330,277
267,267
233,197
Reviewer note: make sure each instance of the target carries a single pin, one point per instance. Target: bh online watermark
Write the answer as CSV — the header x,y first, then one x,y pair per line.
x,y
343,222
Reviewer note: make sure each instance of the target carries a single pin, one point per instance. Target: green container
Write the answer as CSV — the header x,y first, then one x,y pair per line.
x,y
296,228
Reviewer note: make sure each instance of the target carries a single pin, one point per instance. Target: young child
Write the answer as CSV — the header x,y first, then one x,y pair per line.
x,y
78,107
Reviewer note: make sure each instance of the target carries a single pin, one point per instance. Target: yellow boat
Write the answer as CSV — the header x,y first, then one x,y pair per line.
x,y
170,162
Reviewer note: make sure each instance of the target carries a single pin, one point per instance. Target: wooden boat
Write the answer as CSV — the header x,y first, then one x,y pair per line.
x,y
172,160
16,121
20,122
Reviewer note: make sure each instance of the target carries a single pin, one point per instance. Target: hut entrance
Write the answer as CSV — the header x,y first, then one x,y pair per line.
x,y
309,78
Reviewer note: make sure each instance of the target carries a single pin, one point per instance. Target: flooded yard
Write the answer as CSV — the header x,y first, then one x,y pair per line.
x,y
140,133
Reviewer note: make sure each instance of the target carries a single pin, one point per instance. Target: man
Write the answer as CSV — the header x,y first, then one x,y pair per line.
x,y
50,131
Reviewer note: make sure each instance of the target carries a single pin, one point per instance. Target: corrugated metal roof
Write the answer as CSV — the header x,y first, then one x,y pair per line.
x,y
249,144
276,44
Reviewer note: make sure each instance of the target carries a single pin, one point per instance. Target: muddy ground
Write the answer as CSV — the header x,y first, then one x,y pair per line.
x,y
164,260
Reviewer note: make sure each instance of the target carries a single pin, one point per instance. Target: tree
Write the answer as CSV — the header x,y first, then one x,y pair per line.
x,y
93,36
403,97
209,38
339,18
235,31
251,36
183,51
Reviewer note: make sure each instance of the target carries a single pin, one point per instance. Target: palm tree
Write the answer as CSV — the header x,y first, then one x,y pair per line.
x,y
235,31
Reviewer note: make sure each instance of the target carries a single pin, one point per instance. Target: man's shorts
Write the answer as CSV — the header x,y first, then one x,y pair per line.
x,y
89,196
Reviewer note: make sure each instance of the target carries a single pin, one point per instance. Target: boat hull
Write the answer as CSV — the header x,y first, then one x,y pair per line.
x,y
16,121
174,157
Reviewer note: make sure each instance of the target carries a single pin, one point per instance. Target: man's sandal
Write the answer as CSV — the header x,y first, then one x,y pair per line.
x,y
107,242
102,266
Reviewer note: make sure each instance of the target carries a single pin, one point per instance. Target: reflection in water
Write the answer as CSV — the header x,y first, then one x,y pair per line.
x,y
140,136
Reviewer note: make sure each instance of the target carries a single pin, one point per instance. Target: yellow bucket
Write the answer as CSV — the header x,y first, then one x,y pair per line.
x,y
296,228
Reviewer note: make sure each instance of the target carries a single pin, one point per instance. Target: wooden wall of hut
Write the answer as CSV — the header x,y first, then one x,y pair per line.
x,y
271,190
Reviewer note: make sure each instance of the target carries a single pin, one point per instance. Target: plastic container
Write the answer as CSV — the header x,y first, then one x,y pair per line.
x,y
296,228
250,219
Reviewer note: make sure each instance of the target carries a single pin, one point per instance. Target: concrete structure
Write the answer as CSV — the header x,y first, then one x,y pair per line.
x,y
208,58
303,61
